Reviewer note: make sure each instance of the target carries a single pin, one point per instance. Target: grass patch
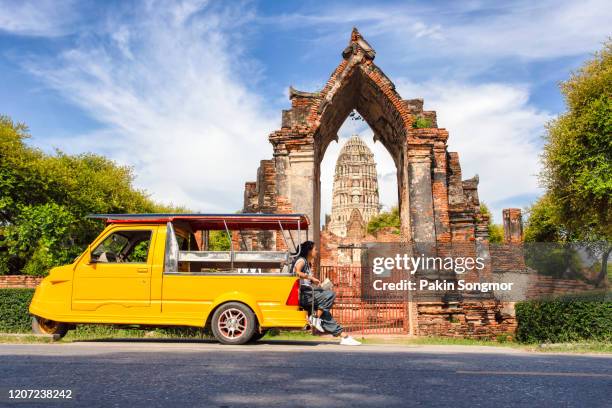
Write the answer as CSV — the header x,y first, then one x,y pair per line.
x,y
578,347
304,335
100,332
26,338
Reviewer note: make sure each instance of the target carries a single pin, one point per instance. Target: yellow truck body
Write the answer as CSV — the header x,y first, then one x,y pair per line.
x,y
141,292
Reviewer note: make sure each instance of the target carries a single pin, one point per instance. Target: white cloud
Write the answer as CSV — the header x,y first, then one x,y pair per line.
x,y
536,30
496,132
45,18
468,30
173,97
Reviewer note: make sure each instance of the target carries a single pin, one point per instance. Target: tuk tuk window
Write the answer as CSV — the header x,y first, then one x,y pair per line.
x,y
123,247
187,242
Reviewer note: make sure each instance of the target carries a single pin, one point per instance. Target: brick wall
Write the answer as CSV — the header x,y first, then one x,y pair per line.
x,y
19,281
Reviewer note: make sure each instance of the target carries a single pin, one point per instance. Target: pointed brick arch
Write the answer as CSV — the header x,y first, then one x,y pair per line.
x,y
435,204
357,83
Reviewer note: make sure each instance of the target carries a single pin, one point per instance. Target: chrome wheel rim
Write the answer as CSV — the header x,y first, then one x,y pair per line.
x,y
232,323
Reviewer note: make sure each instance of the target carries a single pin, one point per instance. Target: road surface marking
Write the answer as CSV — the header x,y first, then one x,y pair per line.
x,y
538,373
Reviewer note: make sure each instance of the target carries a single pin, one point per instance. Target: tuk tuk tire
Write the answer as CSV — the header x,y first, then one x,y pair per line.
x,y
49,327
230,318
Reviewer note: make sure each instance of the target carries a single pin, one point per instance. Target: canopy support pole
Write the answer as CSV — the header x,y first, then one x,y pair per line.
x,y
229,235
284,237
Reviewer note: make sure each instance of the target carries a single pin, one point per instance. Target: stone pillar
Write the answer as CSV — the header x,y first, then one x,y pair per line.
x,y
513,225
404,199
440,192
301,188
420,194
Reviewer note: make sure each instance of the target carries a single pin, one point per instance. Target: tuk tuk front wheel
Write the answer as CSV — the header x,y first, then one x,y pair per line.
x,y
46,326
233,323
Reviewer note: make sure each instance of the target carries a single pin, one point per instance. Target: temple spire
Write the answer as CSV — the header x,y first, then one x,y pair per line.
x,y
355,189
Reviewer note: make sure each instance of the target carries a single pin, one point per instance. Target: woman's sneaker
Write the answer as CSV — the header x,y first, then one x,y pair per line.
x,y
316,323
349,341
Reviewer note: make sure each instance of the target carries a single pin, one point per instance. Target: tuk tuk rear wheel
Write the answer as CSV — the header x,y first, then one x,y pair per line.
x,y
233,323
46,326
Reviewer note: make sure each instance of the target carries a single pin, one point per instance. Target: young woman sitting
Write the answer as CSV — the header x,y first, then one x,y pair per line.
x,y
321,318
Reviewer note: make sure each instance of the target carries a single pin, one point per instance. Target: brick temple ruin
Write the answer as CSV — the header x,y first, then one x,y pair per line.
x,y
436,205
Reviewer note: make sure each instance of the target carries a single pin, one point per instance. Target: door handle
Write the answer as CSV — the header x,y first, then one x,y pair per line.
x,y
142,270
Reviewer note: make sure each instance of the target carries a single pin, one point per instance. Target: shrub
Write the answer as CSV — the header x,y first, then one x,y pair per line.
x,y
566,319
14,315
383,220
421,123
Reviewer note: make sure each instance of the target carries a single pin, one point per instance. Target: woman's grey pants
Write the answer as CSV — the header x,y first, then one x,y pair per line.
x,y
324,300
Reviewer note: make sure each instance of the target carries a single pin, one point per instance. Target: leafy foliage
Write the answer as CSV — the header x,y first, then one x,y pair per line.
x,y
218,241
558,260
14,314
577,155
577,165
384,220
421,123
565,319
496,231
44,199
139,253
543,224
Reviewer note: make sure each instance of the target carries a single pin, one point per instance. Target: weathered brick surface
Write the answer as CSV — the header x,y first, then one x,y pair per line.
x,y
465,319
19,281
513,225
436,204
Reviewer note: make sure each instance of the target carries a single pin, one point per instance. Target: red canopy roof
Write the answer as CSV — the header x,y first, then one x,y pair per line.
x,y
214,221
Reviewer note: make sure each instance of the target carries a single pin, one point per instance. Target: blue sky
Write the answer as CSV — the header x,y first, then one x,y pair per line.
x,y
187,92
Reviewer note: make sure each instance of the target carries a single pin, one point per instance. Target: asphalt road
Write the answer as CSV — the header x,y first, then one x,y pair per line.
x,y
191,374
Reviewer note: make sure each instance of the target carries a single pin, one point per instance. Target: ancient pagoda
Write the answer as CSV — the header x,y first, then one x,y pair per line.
x,y
355,192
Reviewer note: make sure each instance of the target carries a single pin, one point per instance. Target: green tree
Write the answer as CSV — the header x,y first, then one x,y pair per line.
x,y
577,164
577,159
383,220
44,200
